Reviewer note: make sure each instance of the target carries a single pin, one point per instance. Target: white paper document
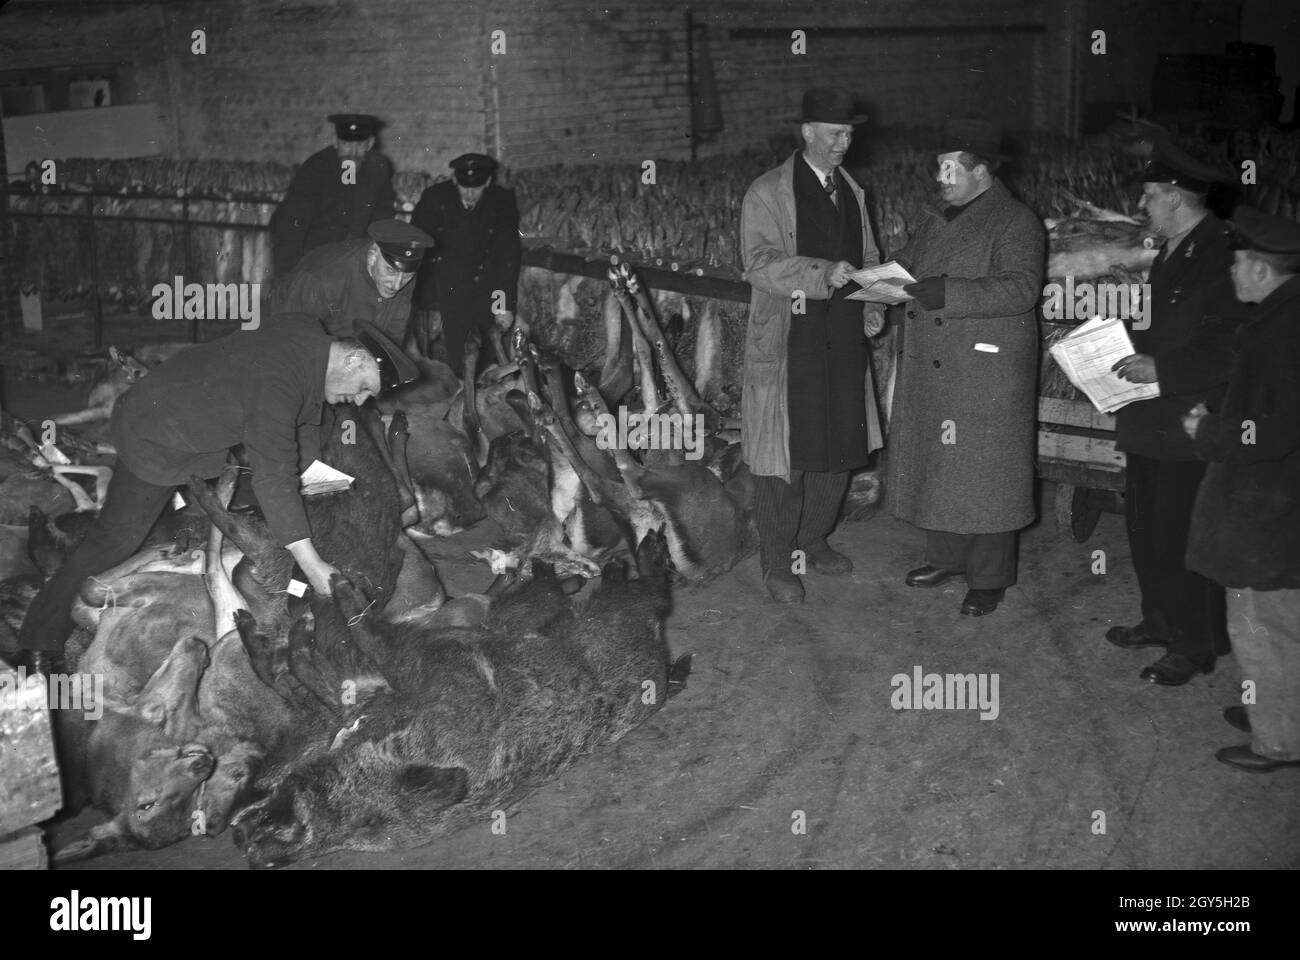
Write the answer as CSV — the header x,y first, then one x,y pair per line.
x,y
322,478
1088,354
882,284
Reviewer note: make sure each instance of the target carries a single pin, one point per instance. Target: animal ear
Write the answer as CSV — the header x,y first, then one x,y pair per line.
x,y
443,785
172,691
117,356
104,838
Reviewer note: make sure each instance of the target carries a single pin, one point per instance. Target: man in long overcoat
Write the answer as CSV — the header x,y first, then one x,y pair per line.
x,y
1186,348
963,433
336,193
1245,531
471,279
808,407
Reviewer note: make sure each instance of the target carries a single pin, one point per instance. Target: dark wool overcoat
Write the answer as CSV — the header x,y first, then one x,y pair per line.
x,y
1193,317
963,434
255,387
476,253
1245,530
333,284
320,208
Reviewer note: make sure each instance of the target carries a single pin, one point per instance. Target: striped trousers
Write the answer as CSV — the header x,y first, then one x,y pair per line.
x,y
798,515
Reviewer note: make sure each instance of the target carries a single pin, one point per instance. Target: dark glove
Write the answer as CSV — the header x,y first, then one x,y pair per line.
x,y
928,292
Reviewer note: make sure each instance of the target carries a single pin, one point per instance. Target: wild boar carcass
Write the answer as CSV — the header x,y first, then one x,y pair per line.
x,y
475,718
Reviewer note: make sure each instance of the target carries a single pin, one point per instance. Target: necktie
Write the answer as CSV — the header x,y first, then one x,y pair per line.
x,y
831,191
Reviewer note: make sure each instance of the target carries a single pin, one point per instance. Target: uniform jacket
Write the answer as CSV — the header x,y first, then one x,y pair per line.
x,y
475,251
333,285
775,271
320,208
252,387
1193,316
1245,529
983,401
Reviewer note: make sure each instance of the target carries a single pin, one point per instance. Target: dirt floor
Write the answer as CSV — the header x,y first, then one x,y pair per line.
x,y
788,709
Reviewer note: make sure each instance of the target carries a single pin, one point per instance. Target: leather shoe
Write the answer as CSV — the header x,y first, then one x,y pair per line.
x,y
930,576
1238,717
830,562
1173,670
1244,758
1130,638
979,602
784,586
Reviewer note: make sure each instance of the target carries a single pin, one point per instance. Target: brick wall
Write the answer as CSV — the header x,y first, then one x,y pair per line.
x,y
586,81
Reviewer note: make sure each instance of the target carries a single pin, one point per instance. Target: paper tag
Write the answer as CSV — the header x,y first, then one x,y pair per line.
x,y
178,502
987,348
297,588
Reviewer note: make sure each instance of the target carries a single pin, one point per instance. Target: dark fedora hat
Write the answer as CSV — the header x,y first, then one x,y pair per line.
x,y
972,135
828,105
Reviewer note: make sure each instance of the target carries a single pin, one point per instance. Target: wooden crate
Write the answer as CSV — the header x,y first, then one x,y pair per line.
x,y
29,775
23,850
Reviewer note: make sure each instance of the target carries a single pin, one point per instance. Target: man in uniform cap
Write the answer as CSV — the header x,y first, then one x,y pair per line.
x,y
963,432
471,280
1185,347
1245,531
808,407
367,279
335,195
261,388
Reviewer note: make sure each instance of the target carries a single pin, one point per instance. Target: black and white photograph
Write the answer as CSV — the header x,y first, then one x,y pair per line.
x,y
733,435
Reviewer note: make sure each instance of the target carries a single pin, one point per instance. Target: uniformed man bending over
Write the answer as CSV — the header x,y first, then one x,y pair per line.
x,y
341,283
335,194
251,387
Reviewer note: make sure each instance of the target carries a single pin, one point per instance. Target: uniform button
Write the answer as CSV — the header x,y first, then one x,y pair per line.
x,y
938,321
938,364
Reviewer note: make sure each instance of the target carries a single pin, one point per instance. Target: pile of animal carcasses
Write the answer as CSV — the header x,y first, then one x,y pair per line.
x,y
576,467
325,722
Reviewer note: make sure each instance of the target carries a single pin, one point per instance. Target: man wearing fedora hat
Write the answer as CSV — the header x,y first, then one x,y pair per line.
x,y
1186,348
962,439
335,194
808,406
1245,531
471,281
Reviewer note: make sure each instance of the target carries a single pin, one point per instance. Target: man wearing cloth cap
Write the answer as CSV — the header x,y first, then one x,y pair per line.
x,y
963,433
335,195
254,388
471,279
808,408
1245,531
367,279
1186,348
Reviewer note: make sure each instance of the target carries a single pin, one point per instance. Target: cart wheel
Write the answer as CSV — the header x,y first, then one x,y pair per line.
x,y
1076,512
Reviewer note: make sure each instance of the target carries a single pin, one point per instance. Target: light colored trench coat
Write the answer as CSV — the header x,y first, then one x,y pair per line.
x,y
775,272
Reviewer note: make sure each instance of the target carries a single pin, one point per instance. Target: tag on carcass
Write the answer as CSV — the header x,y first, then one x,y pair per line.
x,y
178,502
297,588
